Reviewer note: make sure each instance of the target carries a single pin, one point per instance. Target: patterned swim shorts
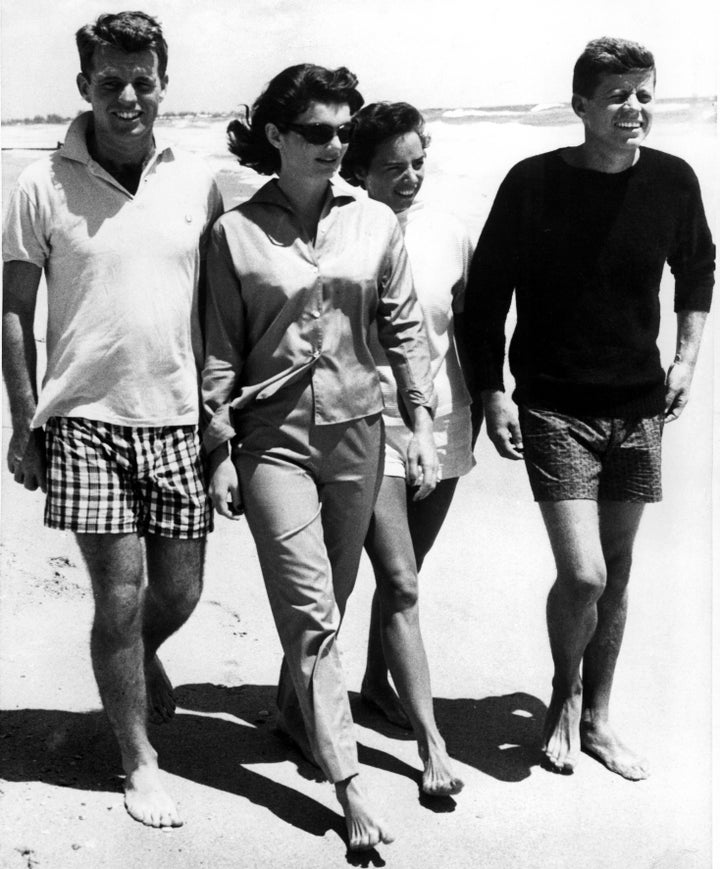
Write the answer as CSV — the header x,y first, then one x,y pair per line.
x,y
594,458
113,479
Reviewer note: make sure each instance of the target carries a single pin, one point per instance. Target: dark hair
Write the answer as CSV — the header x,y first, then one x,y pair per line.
x,y
287,95
608,56
128,31
375,124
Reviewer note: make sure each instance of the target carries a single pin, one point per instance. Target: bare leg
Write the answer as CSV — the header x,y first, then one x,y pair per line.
x,y
424,519
618,526
175,569
389,546
115,564
376,689
365,830
573,528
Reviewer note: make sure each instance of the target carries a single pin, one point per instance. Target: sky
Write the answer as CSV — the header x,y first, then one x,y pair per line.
x,y
433,53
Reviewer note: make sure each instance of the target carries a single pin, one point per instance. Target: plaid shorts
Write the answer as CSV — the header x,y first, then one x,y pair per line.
x,y
114,479
593,458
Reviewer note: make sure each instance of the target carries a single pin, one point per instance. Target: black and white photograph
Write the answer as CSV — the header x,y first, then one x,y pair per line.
x,y
359,423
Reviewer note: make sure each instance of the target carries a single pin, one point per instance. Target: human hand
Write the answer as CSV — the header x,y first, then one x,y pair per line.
x,y
422,460
502,426
224,488
26,458
677,389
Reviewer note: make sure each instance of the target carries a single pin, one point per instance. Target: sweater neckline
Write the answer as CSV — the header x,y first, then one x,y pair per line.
x,y
596,173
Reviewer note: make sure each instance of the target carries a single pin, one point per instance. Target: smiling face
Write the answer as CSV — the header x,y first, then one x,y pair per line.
x,y
396,171
125,91
619,115
300,158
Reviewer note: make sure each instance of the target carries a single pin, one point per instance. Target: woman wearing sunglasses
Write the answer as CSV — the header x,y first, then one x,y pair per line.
x,y
387,157
296,275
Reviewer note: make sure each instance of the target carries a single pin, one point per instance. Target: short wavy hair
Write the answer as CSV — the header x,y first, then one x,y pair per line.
x,y
128,31
375,124
608,56
286,96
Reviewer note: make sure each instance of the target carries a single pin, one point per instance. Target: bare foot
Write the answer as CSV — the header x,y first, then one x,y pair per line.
x,y
383,698
600,741
562,732
160,696
365,831
147,801
438,779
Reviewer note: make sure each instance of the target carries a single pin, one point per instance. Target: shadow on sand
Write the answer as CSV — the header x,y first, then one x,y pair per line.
x,y
76,749
497,735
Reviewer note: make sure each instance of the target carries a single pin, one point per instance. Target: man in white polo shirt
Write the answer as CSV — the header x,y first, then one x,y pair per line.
x,y
118,224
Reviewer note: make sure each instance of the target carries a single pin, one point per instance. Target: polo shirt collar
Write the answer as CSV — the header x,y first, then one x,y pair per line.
x,y
75,145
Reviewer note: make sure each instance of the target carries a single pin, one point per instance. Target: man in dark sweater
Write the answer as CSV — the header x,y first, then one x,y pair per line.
x,y
581,236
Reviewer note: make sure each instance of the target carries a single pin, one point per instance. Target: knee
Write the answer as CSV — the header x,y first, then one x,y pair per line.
x,y
399,590
584,586
618,571
179,600
118,614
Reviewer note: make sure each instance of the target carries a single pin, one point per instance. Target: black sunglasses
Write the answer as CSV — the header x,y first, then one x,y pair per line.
x,y
321,134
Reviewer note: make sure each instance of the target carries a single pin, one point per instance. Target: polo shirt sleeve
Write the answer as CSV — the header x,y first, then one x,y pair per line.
x,y
401,327
224,352
24,237
214,211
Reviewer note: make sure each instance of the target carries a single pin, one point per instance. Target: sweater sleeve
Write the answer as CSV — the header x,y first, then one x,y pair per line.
x,y
491,283
692,260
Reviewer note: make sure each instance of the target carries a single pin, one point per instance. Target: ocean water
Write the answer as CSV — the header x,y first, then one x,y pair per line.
x,y
471,149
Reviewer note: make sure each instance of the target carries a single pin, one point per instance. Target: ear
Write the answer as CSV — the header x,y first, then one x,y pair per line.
x,y
273,136
83,85
163,87
578,104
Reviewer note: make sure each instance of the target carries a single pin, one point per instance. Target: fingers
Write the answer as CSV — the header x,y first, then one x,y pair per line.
x,y
426,480
414,473
422,467
674,411
29,479
506,446
26,460
31,483
503,428
224,488
675,401
516,436
226,504
425,488
226,499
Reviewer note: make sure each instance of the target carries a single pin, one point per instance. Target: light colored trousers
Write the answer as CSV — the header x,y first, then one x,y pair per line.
x,y
309,492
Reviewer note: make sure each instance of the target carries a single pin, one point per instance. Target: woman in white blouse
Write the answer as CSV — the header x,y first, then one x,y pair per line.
x,y
387,157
